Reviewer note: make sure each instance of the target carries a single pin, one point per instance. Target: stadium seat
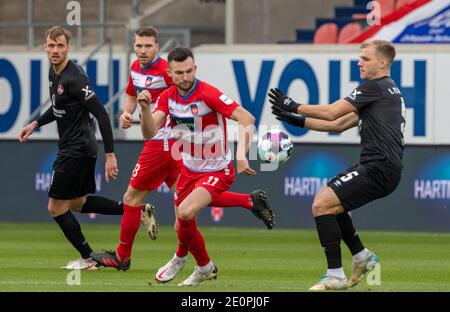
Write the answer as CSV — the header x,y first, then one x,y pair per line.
x,y
326,33
402,3
348,32
386,8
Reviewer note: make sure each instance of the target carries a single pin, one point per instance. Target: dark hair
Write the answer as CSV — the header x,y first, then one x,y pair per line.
x,y
148,31
383,47
179,54
57,31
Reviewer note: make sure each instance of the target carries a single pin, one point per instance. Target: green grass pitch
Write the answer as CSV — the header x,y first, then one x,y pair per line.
x,y
248,259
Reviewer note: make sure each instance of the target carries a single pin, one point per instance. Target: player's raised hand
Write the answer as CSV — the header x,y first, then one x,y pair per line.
x,y
126,119
144,99
111,169
296,120
243,167
27,131
282,101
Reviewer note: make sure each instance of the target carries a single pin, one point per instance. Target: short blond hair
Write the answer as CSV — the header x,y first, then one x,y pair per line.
x,y
383,47
56,31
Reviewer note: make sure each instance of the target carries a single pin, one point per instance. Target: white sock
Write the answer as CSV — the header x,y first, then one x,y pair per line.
x,y
339,272
206,268
360,256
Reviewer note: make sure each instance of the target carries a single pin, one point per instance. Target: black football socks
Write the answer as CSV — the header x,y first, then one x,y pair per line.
x,y
72,230
330,239
349,234
102,205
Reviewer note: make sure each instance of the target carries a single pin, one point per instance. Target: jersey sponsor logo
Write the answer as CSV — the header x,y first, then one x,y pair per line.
x,y
194,109
88,92
58,112
184,122
226,99
60,89
148,81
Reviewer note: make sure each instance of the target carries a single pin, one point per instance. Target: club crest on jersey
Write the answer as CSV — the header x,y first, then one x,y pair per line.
x,y
194,109
60,89
148,81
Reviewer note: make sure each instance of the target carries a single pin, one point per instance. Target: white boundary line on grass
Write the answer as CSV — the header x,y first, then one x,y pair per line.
x,y
85,283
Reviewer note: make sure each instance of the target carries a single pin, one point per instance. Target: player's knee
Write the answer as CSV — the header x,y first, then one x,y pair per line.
x,y
134,197
55,210
130,199
77,204
75,209
51,210
185,213
318,207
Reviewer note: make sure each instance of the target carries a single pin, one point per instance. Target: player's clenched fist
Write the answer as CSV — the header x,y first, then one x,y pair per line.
x,y
126,120
144,99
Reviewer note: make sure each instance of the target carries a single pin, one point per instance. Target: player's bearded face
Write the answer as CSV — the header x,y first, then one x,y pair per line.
x,y
183,74
145,49
57,49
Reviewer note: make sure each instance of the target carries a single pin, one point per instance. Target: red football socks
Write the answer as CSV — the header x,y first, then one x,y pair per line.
x,y
198,249
186,232
231,199
129,226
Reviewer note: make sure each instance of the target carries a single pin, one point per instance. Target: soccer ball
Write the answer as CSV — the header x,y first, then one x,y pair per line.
x,y
275,147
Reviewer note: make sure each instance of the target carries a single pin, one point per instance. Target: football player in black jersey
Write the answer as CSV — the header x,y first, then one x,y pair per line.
x,y
377,106
73,100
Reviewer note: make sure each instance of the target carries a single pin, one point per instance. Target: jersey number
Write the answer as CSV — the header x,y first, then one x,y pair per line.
x,y
212,180
349,176
135,171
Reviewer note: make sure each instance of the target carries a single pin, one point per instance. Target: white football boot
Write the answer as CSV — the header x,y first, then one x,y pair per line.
x,y
82,264
167,272
198,277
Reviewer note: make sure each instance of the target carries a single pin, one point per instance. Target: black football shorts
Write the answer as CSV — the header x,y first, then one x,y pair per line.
x,y
363,183
72,177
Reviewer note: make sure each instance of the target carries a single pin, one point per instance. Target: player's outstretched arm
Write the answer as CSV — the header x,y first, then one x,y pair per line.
x,y
150,122
320,111
246,123
339,125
